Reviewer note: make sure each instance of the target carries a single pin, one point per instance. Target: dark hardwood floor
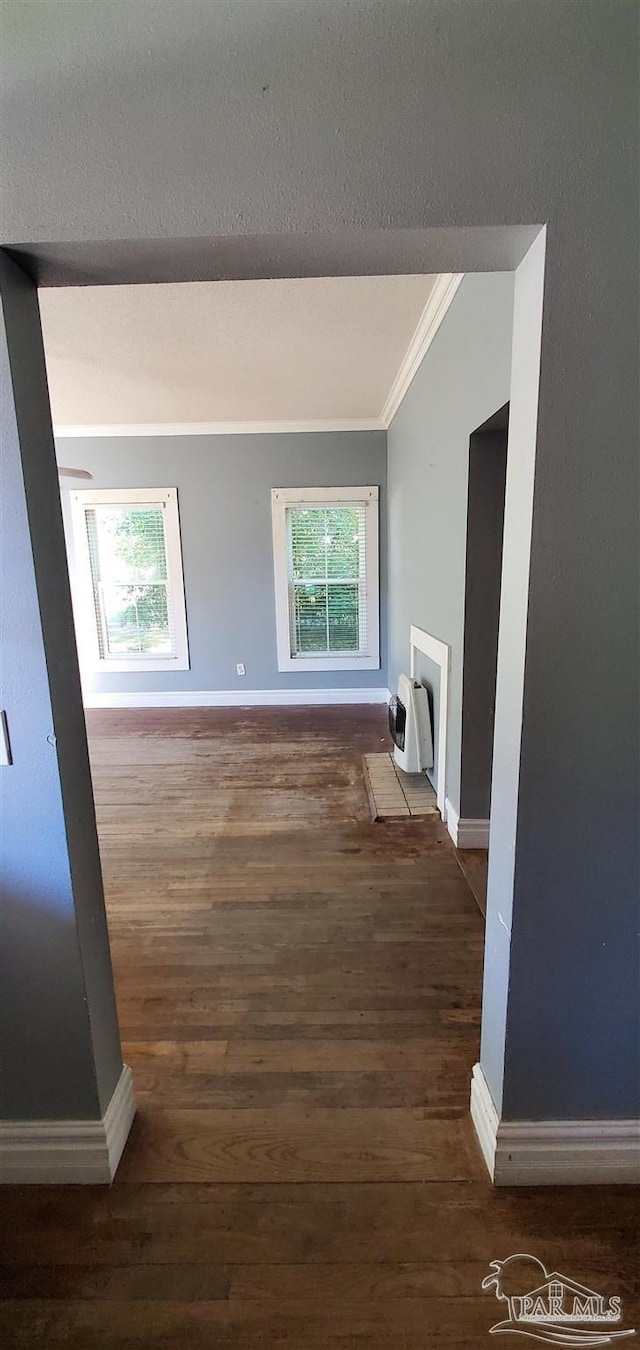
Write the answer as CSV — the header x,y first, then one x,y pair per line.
x,y
474,864
299,997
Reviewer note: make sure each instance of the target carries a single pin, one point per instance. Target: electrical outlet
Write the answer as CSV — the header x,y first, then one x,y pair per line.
x,y
240,669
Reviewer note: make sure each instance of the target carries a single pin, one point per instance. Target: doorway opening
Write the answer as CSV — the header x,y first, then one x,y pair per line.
x,y
483,581
310,988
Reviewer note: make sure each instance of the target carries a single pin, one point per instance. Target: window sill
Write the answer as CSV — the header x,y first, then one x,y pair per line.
x,y
124,667
311,663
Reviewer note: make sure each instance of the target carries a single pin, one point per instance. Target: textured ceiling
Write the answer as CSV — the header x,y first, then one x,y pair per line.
x,y
249,351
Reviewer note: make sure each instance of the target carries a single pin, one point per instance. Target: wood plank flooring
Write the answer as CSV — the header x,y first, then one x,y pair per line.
x,y
299,995
474,863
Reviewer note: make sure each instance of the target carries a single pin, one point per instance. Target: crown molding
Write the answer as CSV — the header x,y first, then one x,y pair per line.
x,y
67,431
432,315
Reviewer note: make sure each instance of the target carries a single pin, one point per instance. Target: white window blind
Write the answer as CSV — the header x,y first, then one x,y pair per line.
x,y
128,560
327,579
129,551
326,574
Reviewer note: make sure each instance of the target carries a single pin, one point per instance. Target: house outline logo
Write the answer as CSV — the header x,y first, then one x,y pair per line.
x,y
554,1308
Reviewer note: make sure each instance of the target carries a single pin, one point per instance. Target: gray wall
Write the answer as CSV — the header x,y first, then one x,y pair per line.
x,y
60,1047
224,498
463,379
342,134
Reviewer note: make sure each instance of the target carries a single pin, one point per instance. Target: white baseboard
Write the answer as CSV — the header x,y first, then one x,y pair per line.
x,y
118,1118
553,1152
484,1117
66,1152
466,833
236,698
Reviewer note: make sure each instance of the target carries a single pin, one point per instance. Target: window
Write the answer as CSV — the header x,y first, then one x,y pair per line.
x,y
129,592
325,549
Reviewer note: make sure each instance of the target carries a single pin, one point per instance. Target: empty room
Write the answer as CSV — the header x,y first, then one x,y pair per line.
x,y
320,997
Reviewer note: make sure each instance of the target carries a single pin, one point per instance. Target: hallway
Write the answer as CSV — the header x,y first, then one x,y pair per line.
x,y
299,1000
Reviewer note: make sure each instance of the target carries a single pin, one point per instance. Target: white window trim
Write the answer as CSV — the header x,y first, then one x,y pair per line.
x,y
87,633
281,498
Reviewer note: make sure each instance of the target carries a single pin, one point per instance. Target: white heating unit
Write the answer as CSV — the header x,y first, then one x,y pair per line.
x,y
410,726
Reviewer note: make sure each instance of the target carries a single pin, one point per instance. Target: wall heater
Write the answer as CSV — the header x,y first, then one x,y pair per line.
x,y
410,726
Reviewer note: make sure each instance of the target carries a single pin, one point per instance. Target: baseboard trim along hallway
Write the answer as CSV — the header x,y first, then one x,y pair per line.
x,y
553,1152
469,833
236,698
67,1152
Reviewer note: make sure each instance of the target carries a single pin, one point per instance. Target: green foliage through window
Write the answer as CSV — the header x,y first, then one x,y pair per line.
x,y
326,575
127,551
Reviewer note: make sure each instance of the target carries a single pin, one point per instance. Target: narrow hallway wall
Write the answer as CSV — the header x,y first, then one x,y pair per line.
x,y
463,379
61,1058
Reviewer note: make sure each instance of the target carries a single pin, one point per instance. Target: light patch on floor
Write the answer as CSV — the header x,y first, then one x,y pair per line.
x,y
394,794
